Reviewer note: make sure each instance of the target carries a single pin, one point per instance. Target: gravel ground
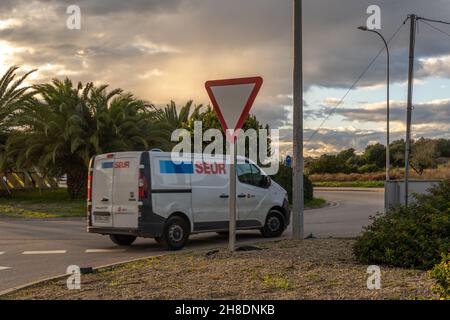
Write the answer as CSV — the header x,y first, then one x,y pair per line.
x,y
309,269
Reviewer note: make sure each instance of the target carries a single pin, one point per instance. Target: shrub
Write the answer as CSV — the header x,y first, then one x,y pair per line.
x,y
284,179
413,236
368,168
441,273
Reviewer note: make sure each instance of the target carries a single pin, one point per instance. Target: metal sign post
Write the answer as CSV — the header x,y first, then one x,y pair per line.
x,y
232,100
233,196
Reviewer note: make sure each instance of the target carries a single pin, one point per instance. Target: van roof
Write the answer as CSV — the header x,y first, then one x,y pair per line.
x,y
193,155
166,154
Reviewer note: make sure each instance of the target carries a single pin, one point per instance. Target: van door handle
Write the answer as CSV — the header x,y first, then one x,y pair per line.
x,y
105,199
224,196
242,195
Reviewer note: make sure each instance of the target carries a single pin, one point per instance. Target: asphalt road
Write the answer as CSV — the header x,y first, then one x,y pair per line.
x,y
34,250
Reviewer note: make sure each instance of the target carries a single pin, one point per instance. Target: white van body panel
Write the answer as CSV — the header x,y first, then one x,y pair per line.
x,y
171,191
209,191
197,189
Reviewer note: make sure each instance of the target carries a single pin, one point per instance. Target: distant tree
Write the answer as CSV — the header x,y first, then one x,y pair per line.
x,y
327,164
375,154
355,162
443,147
347,154
397,153
209,120
423,155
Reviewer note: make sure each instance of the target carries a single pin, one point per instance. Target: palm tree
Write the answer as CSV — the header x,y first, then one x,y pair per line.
x,y
69,124
12,96
53,134
123,123
174,119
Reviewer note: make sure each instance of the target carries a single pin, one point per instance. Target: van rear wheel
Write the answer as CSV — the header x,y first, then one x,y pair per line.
x,y
122,239
175,234
274,225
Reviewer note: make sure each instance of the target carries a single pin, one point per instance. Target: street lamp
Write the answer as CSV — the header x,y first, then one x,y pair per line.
x,y
387,101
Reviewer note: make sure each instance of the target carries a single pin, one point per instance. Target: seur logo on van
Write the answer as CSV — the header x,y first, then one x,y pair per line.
x,y
210,168
121,164
116,165
169,167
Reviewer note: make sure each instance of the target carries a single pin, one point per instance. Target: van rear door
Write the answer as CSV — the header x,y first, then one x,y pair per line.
x,y
126,190
102,185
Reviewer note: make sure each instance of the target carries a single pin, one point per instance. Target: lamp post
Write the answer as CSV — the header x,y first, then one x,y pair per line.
x,y
387,100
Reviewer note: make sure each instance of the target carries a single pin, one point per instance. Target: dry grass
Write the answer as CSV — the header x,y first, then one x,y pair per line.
x,y
312,269
396,174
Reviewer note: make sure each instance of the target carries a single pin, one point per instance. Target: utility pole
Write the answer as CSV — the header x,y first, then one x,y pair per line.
x,y
297,187
412,40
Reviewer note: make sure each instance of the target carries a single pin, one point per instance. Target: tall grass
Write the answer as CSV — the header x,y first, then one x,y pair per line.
x,y
440,173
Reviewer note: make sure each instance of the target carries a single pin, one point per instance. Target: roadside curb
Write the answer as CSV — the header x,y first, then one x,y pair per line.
x,y
323,206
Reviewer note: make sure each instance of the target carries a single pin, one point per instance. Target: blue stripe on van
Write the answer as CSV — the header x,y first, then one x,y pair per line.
x,y
167,166
107,165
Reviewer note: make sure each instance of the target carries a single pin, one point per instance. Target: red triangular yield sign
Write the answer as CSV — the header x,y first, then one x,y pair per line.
x,y
232,100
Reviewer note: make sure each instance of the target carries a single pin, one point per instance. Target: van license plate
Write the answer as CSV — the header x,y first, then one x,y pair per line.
x,y
103,219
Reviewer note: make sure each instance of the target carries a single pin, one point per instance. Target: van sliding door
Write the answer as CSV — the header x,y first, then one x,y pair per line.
x,y
126,191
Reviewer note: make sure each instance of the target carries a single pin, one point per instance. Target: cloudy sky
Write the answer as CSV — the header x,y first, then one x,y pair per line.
x,y
166,49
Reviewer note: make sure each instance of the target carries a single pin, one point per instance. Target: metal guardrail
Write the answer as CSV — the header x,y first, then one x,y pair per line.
x,y
18,180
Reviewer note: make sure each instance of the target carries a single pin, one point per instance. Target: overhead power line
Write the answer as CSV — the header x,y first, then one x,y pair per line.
x,y
436,28
355,83
432,20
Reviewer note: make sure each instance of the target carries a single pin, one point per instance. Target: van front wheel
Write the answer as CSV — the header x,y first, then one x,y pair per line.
x,y
122,239
274,225
176,233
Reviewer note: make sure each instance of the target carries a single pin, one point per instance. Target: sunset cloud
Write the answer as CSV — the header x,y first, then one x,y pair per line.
x,y
166,49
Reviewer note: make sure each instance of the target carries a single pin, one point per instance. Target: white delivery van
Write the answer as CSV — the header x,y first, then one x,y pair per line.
x,y
146,194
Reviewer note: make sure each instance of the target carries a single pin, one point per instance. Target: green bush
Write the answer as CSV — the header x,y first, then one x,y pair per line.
x,y
284,179
415,236
368,168
441,273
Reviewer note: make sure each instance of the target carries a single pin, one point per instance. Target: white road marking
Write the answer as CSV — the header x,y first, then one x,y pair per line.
x,y
45,252
104,250
2,252
4,268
